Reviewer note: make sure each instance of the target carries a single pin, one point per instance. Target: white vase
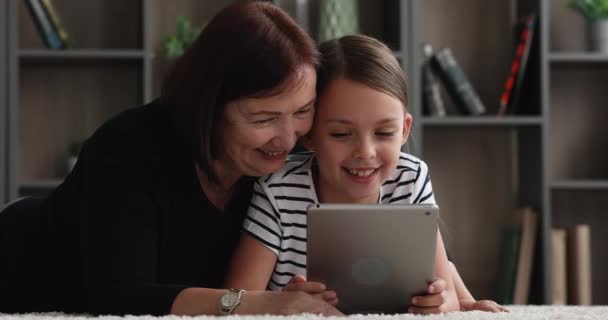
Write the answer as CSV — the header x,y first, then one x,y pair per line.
x,y
337,18
598,35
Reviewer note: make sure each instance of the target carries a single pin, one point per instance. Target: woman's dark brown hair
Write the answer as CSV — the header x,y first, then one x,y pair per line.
x,y
362,59
249,49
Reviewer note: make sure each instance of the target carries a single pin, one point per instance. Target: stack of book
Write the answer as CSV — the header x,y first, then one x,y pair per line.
x,y
571,265
442,64
570,261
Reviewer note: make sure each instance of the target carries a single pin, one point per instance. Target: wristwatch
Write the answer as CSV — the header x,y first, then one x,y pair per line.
x,y
230,300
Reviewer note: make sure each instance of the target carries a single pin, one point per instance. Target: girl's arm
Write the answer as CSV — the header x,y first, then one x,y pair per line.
x,y
463,293
252,265
441,295
466,299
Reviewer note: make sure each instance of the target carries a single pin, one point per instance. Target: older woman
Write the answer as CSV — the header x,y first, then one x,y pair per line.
x,y
147,221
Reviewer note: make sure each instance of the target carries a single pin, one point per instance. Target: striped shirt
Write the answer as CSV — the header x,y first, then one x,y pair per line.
x,y
277,214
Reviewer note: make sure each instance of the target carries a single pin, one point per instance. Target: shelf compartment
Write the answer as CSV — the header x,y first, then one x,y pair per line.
x,y
480,175
578,131
567,28
587,207
580,185
163,15
63,103
89,24
379,19
511,121
481,37
92,54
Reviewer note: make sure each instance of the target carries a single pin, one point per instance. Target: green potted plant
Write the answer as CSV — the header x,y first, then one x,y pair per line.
x,y
596,13
176,45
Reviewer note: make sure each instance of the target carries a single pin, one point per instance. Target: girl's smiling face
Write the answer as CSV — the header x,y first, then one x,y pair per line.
x,y
357,136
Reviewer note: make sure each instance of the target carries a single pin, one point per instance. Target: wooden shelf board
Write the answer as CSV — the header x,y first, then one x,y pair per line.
x,y
510,121
575,57
100,54
572,184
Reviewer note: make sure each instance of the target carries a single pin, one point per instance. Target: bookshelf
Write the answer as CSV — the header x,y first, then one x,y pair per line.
x,y
55,97
553,157
61,96
483,167
576,98
3,100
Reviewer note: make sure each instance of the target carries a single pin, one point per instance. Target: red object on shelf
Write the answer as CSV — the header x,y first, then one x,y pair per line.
x,y
516,76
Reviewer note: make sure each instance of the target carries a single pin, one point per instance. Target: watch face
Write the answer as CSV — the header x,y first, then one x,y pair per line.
x,y
229,300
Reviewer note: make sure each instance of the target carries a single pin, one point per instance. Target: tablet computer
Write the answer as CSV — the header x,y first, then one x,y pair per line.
x,y
376,257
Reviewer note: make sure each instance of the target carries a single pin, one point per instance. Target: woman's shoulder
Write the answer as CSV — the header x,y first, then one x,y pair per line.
x,y
141,138
143,127
133,122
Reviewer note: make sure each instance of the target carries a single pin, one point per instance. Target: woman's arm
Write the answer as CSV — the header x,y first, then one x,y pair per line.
x,y
252,265
251,268
202,301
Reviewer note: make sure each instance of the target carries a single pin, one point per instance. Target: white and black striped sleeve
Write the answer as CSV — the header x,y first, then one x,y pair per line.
x,y
263,221
423,190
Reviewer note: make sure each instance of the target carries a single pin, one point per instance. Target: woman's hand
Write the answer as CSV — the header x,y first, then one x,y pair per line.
x,y
284,303
438,299
316,289
481,305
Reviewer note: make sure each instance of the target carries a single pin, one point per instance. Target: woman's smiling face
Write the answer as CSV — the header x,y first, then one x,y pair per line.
x,y
258,133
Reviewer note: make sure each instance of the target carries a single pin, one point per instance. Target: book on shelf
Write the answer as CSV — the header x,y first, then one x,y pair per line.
x,y
509,100
54,16
529,223
455,80
431,94
559,269
47,23
516,257
579,265
508,250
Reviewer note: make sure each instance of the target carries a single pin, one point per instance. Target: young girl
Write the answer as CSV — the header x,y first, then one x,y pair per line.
x,y
360,125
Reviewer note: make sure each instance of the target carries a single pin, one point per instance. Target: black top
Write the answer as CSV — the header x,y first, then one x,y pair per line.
x,y
128,229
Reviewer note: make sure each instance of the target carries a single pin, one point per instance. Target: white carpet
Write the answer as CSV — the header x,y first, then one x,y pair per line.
x,y
517,312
